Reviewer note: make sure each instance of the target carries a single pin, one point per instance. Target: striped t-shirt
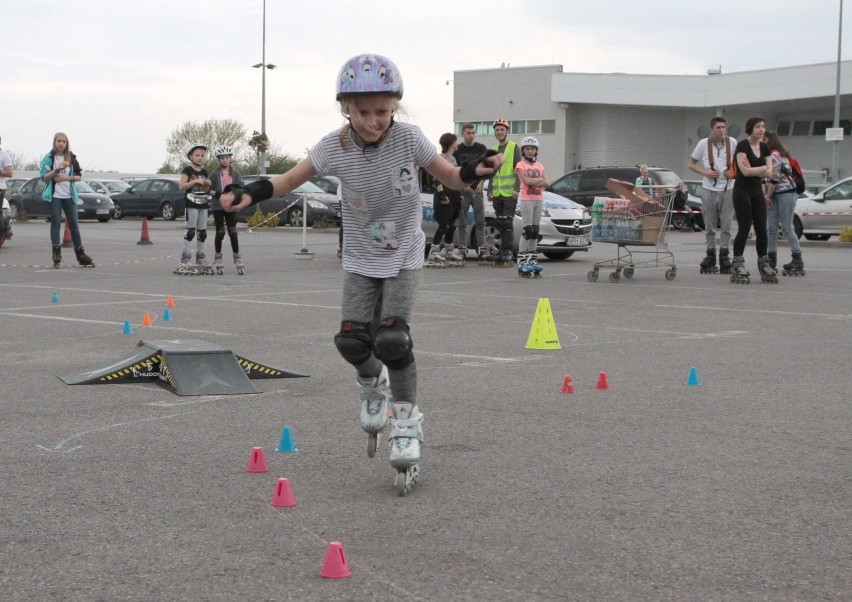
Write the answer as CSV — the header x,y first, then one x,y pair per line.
x,y
381,206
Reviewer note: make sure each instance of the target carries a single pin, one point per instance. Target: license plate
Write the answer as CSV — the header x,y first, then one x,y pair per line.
x,y
102,211
576,241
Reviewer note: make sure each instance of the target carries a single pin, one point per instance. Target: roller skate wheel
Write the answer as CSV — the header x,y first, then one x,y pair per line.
x,y
671,273
219,270
372,443
400,484
628,272
592,276
240,271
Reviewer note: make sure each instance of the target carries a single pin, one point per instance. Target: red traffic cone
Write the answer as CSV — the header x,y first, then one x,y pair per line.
x,y
257,461
144,240
146,319
170,302
334,566
603,383
66,238
568,385
283,496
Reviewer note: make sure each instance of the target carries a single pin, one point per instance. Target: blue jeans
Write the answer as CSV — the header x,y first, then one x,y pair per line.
x,y
57,206
781,211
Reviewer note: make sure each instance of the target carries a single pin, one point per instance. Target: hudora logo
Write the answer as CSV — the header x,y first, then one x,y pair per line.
x,y
149,370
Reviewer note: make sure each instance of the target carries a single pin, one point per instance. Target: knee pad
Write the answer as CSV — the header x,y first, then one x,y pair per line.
x,y
354,342
190,234
393,344
220,232
202,235
232,231
530,232
504,222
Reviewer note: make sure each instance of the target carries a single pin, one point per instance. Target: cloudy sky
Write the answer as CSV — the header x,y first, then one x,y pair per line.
x,y
119,76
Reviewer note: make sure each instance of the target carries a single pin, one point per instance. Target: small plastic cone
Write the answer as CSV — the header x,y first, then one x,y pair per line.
x,y
127,329
568,385
603,383
335,566
286,444
692,380
170,302
66,238
144,239
257,461
146,319
543,333
167,316
55,297
283,496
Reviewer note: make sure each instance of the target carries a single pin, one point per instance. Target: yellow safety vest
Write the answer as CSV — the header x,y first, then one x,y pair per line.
x,y
503,182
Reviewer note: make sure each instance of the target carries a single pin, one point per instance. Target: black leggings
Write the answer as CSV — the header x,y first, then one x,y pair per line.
x,y
750,207
229,219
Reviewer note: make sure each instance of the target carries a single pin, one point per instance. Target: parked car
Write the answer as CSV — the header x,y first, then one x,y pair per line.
x,y
564,229
28,199
13,184
328,184
290,208
108,186
152,197
822,216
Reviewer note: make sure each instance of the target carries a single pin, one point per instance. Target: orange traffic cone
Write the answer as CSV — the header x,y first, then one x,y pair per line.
x,y
334,566
568,385
170,302
146,319
145,240
603,383
257,461
66,238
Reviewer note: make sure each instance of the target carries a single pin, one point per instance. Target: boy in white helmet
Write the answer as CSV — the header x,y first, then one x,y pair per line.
x,y
533,181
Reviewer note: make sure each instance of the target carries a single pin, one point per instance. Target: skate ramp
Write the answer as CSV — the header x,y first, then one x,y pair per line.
x,y
185,367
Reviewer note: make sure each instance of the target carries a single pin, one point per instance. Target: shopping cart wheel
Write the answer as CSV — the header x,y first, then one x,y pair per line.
x,y
671,273
614,277
592,276
628,272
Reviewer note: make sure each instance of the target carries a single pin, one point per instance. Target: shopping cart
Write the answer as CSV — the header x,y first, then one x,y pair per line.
x,y
636,219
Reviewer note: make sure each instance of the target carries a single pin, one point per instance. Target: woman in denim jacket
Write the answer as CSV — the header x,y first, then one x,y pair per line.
x,y
60,170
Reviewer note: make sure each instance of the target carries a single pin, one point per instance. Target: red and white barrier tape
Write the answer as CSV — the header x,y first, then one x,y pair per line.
x,y
828,213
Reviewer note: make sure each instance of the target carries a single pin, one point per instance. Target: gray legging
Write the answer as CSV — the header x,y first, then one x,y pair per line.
x,y
360,294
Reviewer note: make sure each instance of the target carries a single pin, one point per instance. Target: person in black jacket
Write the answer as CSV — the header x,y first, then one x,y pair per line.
x,y
222,219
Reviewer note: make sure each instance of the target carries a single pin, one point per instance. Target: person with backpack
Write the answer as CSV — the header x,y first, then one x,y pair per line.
x,y
711,159
780,192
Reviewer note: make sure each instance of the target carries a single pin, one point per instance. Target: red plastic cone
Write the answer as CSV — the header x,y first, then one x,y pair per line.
x,y
146,319
170,302
283,496
144,240
603,383
568,385
257,461
334,566
66,238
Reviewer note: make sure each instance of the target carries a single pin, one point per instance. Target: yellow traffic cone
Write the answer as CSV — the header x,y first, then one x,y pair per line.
x,y
543,333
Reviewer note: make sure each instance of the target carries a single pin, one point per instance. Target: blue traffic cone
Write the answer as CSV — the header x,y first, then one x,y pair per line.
x,y
167,316
127,329
286,445
692,380
55,298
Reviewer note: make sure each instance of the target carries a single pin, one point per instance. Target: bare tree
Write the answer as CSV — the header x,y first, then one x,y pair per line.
x,y
212,133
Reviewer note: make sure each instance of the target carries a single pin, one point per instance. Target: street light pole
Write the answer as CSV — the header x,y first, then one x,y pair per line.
x,y
263,66
834,148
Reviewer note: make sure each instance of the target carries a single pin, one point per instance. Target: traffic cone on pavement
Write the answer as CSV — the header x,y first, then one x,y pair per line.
x,y
283,496
257,461
66,238
335,566
145,240
146,319
692,379
603,382
568,385
170,302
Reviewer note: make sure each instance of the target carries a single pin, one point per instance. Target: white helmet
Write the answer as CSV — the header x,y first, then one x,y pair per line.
x,y
529,141
223,151
192,147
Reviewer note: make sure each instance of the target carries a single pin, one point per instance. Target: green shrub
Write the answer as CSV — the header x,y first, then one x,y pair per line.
x,y
259,218
846,234
321,223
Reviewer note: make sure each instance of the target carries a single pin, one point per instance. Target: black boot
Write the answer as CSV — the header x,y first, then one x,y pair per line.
x,y
796,267
82,258
773,259
57,255
724,261
708,264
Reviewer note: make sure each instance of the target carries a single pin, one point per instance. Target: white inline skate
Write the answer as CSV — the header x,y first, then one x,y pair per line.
x,y
375,396
405,440
238,264
219,264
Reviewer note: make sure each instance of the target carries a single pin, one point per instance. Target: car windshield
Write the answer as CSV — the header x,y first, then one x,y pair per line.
x,y
666,177
557,202
83,187
116,186
309,188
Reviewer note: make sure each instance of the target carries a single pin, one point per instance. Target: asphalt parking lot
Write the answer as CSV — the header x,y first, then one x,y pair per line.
x,y
737,489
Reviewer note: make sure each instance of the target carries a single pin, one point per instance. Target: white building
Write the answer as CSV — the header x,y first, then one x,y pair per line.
x,y
585,120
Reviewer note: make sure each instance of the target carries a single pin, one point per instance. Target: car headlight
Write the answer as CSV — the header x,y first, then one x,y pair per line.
x,y
317,204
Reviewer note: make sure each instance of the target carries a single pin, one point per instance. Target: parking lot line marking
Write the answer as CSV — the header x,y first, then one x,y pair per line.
x,y
760,311
116,324
486,358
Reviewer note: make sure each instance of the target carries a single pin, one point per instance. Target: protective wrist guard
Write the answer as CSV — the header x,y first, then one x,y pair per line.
x,y
258,191
468,171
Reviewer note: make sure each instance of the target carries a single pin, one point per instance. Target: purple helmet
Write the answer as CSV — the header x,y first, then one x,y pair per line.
x,y
368,74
